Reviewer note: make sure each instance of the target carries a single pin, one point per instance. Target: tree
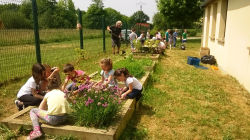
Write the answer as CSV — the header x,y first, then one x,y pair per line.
x,y
181,13
159,22
138,17
112,16
93,15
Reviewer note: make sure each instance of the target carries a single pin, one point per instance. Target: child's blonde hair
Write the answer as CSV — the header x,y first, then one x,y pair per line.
x,y
107,62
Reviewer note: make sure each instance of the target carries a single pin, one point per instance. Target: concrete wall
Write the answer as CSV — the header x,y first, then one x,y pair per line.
x,y
229,38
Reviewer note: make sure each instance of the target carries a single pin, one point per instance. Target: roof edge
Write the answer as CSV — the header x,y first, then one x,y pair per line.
x,y
206,2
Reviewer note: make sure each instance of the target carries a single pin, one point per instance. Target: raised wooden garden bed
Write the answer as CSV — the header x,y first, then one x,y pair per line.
x,y
111,133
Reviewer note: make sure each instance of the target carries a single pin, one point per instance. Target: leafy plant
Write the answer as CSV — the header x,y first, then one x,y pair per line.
x,y
96,105
134,66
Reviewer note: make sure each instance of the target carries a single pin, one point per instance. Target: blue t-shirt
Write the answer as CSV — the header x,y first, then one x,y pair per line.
x,y
175,34
106,76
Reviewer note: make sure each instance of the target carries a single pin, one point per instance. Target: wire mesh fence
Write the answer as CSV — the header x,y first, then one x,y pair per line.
x,y
59,38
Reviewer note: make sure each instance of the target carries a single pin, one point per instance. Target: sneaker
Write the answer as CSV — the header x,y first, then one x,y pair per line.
x,y
34,134
19,107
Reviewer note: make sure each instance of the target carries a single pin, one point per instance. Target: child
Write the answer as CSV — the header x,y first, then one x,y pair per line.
x,y
50,73
133,87
132,37
76,76
170,38
57,109
166,36
107,72
175,35
28,95
141,38
184,36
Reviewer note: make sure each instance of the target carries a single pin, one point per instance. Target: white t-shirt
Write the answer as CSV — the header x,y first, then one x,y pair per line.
x,y
26,88
57,103
136,84
106,76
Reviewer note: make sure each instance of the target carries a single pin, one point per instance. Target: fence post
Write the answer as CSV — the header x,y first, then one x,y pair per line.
x,y
103,33
36,32
80,29
126,33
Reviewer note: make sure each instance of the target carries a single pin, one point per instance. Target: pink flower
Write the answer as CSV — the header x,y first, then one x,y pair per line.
x,y
119,101
105,104
86,103
85,95
74,102
102,98
90,100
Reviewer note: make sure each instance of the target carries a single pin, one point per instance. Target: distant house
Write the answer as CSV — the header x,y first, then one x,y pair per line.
x,y
226,31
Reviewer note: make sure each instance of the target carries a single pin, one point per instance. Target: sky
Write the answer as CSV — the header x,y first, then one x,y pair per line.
x,y
126,7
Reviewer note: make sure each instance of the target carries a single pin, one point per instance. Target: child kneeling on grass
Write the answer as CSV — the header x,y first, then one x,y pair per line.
x,y
133,87
57,109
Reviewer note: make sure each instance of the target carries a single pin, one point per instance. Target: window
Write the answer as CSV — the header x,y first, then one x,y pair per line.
x,y
213,18
223,18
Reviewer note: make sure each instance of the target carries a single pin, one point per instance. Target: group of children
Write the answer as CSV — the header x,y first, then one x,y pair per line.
x,y
170,38
44,89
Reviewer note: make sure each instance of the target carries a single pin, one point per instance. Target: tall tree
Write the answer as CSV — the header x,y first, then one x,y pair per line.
x,y
181,13
138,17
112,16
93,15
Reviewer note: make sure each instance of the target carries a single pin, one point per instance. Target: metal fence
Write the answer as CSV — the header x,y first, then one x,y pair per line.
x,y
26,38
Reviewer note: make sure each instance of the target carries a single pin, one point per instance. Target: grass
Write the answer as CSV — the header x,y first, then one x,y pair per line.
x,y
10,37
55,54
17,62
183,102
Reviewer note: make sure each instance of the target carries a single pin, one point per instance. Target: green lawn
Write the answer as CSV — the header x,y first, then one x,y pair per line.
x,y
54,54
183,102
180,101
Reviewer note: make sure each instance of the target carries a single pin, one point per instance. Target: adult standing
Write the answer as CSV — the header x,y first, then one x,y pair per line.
x,y
116,35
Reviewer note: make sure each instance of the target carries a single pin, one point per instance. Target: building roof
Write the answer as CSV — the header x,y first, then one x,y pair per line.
x,y
206,2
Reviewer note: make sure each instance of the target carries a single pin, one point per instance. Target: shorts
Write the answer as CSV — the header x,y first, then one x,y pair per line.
x,y
116,43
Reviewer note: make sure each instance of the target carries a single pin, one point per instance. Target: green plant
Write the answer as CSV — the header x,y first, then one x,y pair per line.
x,y
6,133
134,66
96,106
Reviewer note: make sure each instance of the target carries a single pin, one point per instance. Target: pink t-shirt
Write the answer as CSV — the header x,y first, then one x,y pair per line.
x,y
78,73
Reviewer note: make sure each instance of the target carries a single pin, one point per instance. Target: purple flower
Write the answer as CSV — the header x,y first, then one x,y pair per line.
x,y
86,103
90,100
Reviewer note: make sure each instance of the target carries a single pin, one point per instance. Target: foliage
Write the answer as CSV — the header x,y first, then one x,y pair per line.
x,y
138,17
6,133
111,16
180,14
159,22
96,105
51,14
134,66
93,17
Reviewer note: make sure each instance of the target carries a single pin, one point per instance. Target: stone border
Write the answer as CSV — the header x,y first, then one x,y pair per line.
x,y
111,133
